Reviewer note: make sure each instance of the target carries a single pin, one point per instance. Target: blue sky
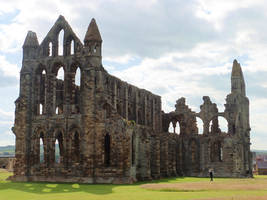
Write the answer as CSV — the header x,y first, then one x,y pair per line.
x,y
172,48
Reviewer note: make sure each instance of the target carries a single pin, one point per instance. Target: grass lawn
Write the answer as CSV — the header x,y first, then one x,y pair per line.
x,y
165,189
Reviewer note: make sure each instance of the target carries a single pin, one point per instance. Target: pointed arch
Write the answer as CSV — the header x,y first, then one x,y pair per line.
x,y
74,80
72,48
61,42
41,148
78,77
58,146
41,109
218,124
200,125
40,90
60,73
223,124
171,128
177,128
50,49
58,87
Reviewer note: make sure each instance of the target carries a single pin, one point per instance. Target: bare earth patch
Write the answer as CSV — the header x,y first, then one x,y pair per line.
x,y
218,185
239,198
239,184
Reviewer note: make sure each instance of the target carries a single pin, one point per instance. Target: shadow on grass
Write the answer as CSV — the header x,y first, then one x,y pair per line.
x,y
49,188
98,189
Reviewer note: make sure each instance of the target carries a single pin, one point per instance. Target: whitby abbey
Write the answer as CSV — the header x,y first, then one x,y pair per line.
x,y
109,131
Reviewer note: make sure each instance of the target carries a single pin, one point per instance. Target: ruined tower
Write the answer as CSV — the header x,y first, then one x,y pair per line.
x,y
74,122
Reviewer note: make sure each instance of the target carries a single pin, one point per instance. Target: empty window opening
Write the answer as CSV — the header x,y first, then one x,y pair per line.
x,y
60,42
43,72
60,74
57,156
171,129
50,49
177,128
59,110
78,77
59,148
200,125
41,109
107,149
41,156
95,49
223,124
72,47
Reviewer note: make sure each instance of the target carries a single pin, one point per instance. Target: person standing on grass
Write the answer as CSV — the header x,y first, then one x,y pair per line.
x,y
211,174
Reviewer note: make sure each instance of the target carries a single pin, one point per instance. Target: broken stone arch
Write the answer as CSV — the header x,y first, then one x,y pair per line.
x,y
200,125
215,124
40,133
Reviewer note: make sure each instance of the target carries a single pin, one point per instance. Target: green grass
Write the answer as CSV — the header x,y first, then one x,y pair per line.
x,y
59,191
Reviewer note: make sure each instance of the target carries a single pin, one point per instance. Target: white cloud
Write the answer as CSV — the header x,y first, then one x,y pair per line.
x,y
217,11
120,59
7,68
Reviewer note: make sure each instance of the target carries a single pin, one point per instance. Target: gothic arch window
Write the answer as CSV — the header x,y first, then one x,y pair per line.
x,y
41,111
59,85
223,124
60,73
72,47
218,125
40,90
61,43
59,147
107,150
41,148
171,128
50,49
59,110
200,125
177,128
78,77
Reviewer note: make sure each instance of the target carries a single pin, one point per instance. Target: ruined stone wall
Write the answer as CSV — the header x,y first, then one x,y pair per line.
x,y
7,163
104,130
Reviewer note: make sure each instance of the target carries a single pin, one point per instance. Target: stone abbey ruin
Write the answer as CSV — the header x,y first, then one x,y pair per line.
x,y
109,131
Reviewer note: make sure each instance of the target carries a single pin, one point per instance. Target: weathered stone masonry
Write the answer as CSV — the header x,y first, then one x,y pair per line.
x,y
109,131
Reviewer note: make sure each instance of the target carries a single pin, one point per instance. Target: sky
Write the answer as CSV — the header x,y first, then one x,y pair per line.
x,y
174,48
